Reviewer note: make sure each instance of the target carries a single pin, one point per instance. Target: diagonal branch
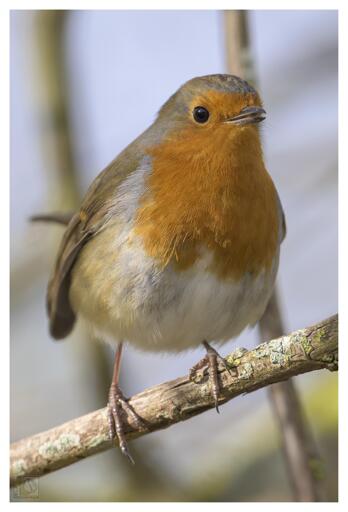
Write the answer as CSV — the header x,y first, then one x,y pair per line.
x,y
161,406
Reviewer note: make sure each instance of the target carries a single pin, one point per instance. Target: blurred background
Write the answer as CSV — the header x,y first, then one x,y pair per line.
x,y
83,85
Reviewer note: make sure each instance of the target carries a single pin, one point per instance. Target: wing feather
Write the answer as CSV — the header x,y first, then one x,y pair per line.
x,y
282,218
85,224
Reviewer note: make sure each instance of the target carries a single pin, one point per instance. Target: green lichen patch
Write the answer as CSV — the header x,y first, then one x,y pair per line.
x,y
19,467
318,336
277,353
278,358
245,371
60,445
234,359
261,351
305,343
96,441
197,377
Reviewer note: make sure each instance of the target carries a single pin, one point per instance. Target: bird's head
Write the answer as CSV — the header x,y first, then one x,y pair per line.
x,y
212,109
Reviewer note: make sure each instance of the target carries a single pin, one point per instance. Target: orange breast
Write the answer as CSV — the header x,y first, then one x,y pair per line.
x,y
210,192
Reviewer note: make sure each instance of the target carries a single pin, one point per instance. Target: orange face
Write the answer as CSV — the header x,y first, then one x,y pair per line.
x,y
222,106
224,130
209,189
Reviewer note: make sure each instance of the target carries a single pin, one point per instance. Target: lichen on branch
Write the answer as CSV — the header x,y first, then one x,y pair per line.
x,y
161,406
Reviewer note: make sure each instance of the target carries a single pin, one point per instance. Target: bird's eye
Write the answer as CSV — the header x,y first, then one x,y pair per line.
x,y
200,114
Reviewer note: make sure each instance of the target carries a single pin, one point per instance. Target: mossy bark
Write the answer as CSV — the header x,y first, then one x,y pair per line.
x,y
161,406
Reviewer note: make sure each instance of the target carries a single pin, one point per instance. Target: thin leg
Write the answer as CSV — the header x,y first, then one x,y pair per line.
x,y
116,403
211,361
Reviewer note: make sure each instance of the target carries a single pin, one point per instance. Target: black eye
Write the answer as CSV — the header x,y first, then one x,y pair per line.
x,y
200,114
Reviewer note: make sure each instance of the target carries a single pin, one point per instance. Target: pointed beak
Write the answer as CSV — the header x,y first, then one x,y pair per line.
x,y
248,115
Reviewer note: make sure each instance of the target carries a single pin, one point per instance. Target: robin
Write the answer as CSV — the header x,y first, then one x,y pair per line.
x,y
177,241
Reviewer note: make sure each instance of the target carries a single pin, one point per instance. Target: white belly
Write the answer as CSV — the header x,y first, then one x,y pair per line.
x,y
123,295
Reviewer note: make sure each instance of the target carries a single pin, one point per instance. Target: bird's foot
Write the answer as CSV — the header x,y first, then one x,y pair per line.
x,y
117,405
211,361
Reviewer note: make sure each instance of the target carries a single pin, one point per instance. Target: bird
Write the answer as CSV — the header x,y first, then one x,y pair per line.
x,y
176,243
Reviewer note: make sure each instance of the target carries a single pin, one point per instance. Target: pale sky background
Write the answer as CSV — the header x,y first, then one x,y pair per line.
x,y
123,66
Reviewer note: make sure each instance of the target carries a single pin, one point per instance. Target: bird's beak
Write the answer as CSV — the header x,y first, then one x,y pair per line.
x,y
248,115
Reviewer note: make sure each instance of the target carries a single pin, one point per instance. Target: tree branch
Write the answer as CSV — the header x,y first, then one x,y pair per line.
x,y
164,405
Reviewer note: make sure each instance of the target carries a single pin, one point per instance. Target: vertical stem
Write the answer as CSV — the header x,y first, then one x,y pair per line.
x,y
52,96
238,56
53,101
298,444
301,456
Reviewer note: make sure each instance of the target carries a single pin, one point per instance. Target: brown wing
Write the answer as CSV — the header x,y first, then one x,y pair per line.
x,y
283,225
82,227
282,217
61,315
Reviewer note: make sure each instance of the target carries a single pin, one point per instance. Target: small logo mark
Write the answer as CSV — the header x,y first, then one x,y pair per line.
x,y
27,490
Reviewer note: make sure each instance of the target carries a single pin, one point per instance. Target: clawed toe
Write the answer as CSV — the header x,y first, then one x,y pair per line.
x,y
202,363
211,361
117,406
